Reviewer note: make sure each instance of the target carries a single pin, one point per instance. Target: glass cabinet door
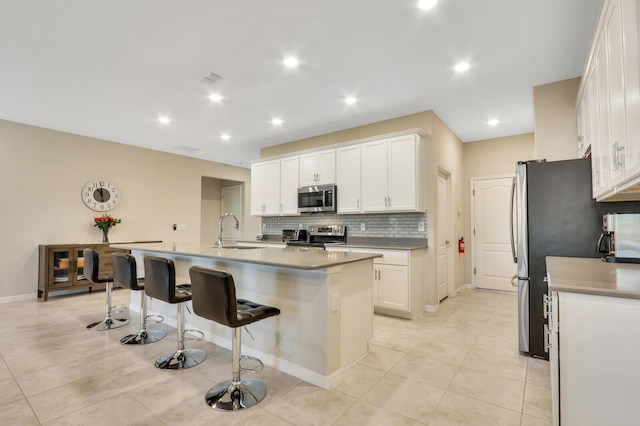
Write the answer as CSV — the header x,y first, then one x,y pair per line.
x,y
80,266
61,268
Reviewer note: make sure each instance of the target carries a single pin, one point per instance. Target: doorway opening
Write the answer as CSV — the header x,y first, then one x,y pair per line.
x,y
219,196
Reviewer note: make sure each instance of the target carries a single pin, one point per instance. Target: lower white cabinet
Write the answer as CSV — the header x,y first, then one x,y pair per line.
x,y
399,280
594,359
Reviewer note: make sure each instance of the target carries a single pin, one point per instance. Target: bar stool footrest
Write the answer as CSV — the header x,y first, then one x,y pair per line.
x,y
119,309
258,369
153,319
185,335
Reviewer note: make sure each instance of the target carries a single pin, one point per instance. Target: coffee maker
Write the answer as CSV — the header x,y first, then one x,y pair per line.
x,y
620,238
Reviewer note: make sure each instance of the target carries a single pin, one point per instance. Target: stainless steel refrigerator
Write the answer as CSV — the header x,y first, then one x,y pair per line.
x,y
553,214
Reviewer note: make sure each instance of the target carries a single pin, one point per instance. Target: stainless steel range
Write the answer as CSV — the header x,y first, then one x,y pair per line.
x,y
319,235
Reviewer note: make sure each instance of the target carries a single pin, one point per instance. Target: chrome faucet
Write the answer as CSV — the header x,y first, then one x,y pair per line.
x,y
220,227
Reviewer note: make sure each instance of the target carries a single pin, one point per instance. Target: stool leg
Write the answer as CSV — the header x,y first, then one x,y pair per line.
x,y
237,393
143,336
108,322
182,358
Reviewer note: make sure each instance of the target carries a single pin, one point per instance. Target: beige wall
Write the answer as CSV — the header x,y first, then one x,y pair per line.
x,y
555,123
490,157
443,149
42,172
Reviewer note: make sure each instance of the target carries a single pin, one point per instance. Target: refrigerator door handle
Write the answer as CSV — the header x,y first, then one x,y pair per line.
x,y
513,241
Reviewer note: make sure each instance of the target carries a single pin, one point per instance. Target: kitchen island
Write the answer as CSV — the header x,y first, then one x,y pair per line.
x,y
594,341
325,299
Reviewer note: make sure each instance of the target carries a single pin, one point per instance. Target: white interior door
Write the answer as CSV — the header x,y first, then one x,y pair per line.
x,y
444,237
232,203
493,265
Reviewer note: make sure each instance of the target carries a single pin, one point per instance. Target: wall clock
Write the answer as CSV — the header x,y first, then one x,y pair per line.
x,y
100,195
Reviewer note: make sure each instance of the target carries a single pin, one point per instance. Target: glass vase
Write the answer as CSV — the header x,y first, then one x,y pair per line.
x,y
105,235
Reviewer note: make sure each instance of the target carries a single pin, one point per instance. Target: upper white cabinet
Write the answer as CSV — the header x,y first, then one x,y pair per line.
x,y
392,174
348,179
289,185
608,104
265,188
318,168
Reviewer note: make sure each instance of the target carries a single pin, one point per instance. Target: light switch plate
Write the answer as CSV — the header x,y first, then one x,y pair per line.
x,y
420,226
363,227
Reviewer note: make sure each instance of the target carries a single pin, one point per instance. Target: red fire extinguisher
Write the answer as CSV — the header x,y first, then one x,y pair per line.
x,y
461,245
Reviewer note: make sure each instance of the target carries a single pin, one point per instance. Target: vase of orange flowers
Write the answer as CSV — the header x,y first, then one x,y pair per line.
x,y
105,222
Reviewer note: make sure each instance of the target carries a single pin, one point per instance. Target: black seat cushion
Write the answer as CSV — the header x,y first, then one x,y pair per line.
x,y
160,281
91,268
125,272
214,298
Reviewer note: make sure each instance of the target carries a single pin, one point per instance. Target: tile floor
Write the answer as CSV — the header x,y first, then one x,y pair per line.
x,y
459,366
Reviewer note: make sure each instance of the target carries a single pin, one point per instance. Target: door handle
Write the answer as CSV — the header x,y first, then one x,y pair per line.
x,y
447,242
514,281
513,241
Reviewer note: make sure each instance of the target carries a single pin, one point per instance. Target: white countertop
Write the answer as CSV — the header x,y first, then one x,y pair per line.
x,y
593,276
290,257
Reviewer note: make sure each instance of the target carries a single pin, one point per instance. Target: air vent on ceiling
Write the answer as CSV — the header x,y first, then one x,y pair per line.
x,y
210,78
185,148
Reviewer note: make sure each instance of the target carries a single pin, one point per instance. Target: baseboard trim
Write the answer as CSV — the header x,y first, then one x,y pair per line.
x,y
18,298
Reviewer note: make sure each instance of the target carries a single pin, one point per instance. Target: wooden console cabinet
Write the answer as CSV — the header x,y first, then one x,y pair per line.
x,y
61,266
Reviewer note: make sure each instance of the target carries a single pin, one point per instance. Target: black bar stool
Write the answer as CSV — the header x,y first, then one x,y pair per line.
x,y
91,265
214,298
160,283
125,274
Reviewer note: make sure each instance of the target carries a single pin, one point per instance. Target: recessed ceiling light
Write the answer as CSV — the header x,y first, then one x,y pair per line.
x,y
215,97
276,121
163,119
290,62
493,122
462,67
350,100
427,4
225,136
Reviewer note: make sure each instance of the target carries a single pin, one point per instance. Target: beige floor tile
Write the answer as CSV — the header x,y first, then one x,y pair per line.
x,y
363,414
310,405
121,409
539,372
460,410
392,393
53,376
511,367
537,402
358,380
17,413
9,391
393,340
381,358
426,370
450,353
457,333
24,364
383,321
489,388
501,345
528,420
65,399
412,328
277,382
5,373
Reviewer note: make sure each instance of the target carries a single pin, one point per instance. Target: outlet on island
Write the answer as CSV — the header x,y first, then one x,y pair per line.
x,y
363,227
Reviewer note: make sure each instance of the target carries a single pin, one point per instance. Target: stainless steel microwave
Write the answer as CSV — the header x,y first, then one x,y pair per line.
x,y
315,199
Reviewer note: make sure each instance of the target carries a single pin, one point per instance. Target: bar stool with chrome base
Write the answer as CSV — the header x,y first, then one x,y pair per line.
x,y
91,265
160,283
125,275
214,298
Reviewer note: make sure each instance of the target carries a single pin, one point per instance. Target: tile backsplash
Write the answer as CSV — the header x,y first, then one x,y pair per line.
x,y
402,225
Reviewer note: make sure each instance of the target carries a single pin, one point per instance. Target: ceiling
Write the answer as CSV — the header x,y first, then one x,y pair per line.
x,y
109,69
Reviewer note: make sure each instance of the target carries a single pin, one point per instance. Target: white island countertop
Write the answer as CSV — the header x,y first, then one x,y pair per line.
x,y
290,257
593,276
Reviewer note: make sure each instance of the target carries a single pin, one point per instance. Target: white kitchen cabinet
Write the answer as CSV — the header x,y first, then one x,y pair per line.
x,y
399,278
318,168
289,186
265,188
392,174
348,179
612,70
